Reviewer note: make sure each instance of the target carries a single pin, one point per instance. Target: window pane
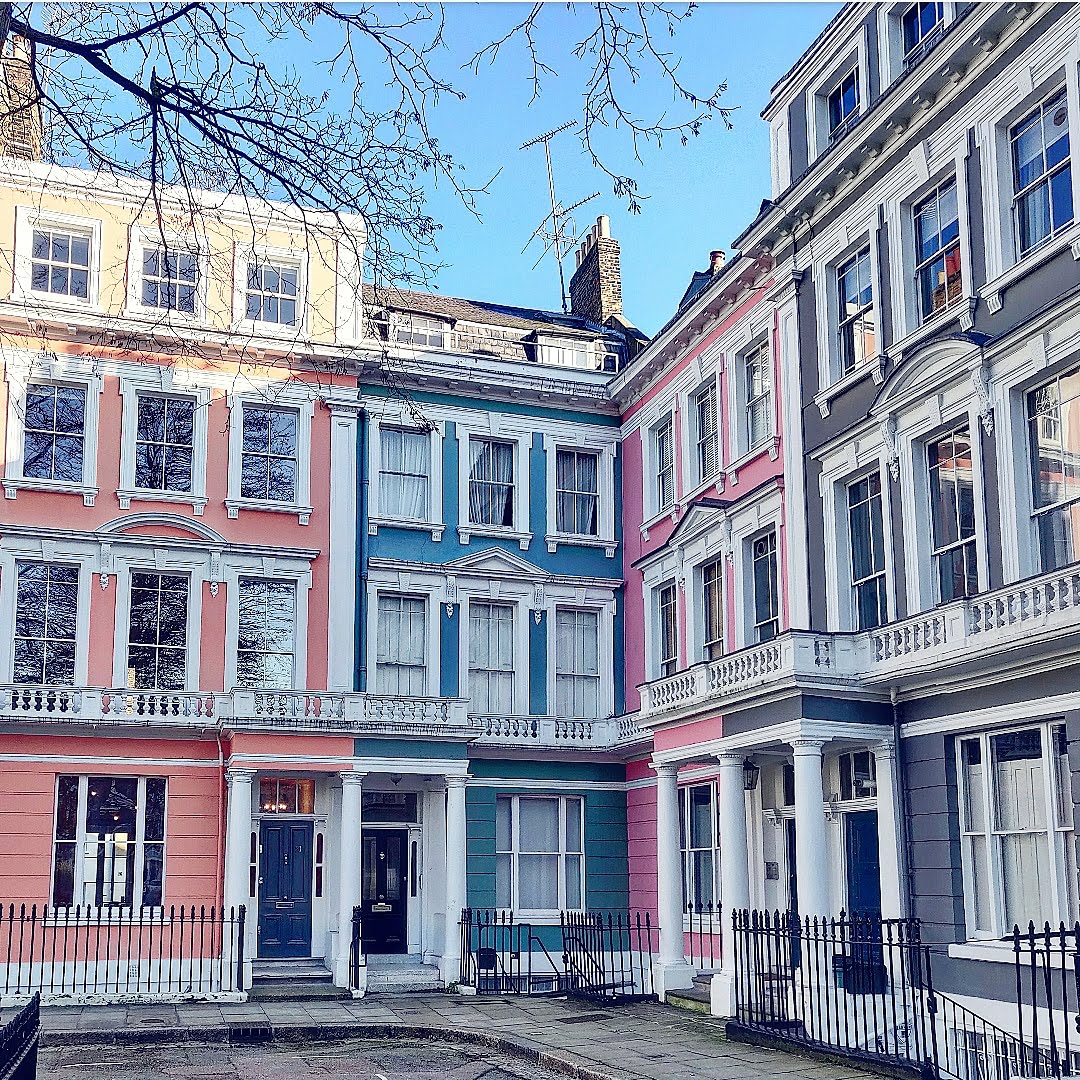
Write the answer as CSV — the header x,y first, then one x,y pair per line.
x,y
539,824
701,815
504,824
573,825
538,885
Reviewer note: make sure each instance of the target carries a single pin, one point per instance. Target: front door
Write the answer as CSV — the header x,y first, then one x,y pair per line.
x,y
863,863
285,889
384,892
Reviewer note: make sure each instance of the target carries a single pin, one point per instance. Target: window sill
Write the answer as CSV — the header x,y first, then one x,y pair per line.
x,y
276,332
770,446
234,506
577,540
962,309
127,496
671,512
13,484
167,318
992,950
875,367
436,528
58,303
993,292
466,532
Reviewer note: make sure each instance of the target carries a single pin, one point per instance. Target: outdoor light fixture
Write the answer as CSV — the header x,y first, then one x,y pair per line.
x,y
750,774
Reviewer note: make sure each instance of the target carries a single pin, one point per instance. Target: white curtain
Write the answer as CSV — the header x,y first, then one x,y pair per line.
x,y
576,492
491,483
538,864
491,658
401,647
405,477
577,663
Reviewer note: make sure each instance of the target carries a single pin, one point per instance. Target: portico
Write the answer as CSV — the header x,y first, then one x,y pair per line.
x,y
812,794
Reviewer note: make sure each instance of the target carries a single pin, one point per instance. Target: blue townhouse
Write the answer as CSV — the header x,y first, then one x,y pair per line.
x,y
492,764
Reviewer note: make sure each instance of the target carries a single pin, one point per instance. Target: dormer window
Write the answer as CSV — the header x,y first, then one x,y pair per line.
x,y
921,25
420,330
575,354
843,103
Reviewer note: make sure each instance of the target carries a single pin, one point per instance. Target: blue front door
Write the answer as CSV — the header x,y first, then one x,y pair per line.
x,y
863,864
285,889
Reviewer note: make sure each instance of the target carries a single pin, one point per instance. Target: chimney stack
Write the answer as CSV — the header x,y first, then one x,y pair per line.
x,y
716,261
20,110
596,287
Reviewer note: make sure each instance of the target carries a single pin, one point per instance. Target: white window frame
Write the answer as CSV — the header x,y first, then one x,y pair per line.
x,y
515,852
1056,831
403,585
159,383
520,669
818,129
853,606
702,641
686,851
666,423
891,38
111,910
406,321
15,550
377,515
840,128
295,572
748,522
22,369
553,351
27,219
142,238
702,478
605,447
303,405
605,643
745,450
658,659
179,565
287,258
522,444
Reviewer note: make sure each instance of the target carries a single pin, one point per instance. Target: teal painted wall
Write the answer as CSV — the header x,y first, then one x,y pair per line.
x,y
538,661
450,650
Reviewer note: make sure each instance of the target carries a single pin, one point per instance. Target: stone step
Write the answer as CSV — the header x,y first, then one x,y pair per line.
x,y
299,990
403,979
692,999
287,970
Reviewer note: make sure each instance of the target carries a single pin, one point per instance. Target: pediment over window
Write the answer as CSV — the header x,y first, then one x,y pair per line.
x,y
165,525
926,371
497,561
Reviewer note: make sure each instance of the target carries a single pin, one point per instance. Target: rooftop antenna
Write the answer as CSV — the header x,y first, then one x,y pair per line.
x,y
557,228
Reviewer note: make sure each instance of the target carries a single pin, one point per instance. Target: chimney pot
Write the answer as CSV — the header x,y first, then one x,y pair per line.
x,y
604,224
716,261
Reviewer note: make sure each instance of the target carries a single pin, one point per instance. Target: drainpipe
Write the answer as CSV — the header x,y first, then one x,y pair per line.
x,y
362,551
905,821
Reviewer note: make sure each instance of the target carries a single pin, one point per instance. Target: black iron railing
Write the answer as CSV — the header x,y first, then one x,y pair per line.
x,y
703,935
19,1043
500,955
608,955
859,986
63,952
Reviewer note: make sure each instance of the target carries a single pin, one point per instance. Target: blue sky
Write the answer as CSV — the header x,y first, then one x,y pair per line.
x,y
701,195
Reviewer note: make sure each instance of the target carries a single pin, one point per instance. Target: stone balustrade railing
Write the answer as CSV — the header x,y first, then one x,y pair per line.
x,y
310,710
1025,613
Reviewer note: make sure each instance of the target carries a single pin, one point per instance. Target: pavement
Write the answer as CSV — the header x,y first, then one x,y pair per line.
x,y
639,1041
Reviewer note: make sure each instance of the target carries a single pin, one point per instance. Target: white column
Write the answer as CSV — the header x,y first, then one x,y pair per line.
x,y
348,861
734,873
811,836
434,880
450,966
238,856
341,654
672,971
890,842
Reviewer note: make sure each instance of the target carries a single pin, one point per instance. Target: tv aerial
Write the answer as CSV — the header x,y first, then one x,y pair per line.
x,y
557,230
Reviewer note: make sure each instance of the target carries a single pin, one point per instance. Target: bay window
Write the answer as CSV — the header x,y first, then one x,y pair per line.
x,y
46,621
401,645
577,492
539,853
491,482
577,663
266,638
109,841
700,843
1042,173
1053,412
491,658
865,530
405,474
938,281
1016,828
952,513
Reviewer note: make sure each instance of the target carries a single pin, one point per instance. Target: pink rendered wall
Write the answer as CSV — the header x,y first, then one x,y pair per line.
x,y
263,529
27,795
641,834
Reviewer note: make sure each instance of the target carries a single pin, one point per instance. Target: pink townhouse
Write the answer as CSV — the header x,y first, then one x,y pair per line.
x,y
177,554
706,550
